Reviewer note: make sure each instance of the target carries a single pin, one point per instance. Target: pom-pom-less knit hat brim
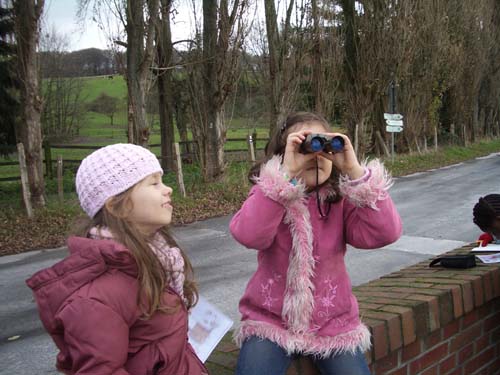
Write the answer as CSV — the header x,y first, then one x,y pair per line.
x,y
110,171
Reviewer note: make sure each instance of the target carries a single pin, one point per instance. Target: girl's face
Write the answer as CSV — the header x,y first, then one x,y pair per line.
x,y
151,204
308,173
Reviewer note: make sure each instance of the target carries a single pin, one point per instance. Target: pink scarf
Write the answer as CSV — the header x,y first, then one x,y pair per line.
x,y
170,258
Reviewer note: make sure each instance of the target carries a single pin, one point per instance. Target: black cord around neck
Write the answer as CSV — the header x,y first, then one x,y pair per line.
x,y
318,200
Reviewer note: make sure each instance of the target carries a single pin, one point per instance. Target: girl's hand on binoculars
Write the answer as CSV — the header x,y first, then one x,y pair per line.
x,y
294,161
346,161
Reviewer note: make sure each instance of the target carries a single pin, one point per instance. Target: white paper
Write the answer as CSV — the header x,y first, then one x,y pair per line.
x,y
207,327
493,258
488,248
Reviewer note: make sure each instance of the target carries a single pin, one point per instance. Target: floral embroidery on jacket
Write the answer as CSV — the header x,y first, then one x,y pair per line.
x,y
267,289
327,301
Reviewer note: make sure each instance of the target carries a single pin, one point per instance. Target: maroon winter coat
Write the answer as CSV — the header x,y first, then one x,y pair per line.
x,y
88,304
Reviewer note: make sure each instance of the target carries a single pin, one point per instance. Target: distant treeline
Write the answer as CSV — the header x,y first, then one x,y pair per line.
x,y
82,63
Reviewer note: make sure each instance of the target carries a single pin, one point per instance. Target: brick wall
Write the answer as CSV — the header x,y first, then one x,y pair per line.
x,y
434,321
426,321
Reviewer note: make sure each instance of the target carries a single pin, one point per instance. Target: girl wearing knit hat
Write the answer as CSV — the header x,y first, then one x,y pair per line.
x,y
118,304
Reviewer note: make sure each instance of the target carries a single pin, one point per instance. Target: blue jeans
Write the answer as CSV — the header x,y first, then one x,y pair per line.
x,y
264,357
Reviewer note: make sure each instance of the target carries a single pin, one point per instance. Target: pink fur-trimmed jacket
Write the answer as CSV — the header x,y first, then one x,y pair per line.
x,y
300,296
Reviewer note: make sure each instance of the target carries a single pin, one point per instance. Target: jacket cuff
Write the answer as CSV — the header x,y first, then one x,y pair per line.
x,y
370,188
275,183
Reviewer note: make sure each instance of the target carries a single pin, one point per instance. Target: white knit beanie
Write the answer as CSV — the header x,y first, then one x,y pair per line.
x,y
110,171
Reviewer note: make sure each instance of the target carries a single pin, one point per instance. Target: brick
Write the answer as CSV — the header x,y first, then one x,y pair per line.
x,y
451,329
458,371
368,305
465,353
224,359
368,357
479,361
384,365
219,370
448,364
302,366
400,371
393,323
431,371
488,287
418,290
491,322
481,343
429,358
454,306
411,351
432,340
407,322
378,330
477,286
465,337
495,335
227,347
433,310
386,294
467,297
495,274
469,319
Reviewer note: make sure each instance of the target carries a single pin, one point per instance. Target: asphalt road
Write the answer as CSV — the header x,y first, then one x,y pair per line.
x,y
436,207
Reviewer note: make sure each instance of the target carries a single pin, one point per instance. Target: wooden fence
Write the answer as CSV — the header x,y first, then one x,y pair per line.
x,y
188,152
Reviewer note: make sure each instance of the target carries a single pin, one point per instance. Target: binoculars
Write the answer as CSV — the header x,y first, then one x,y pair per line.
x,y
320,142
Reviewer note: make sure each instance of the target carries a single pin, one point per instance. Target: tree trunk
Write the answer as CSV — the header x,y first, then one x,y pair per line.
x,y
274,72
278,89
29,133
165,88
140,36
316,60
214,127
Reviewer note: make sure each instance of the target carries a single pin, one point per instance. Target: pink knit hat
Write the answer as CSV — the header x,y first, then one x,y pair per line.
x,y
110,171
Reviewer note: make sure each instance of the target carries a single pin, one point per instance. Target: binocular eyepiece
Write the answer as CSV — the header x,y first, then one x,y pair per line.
x,y
320,142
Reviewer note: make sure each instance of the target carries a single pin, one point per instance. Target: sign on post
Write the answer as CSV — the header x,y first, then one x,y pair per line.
x,y
393,129
393,116
394,122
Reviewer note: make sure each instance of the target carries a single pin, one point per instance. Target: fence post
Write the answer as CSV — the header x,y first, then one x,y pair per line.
x,y
48,160
254,137
180,177
250,149
60,191
24,180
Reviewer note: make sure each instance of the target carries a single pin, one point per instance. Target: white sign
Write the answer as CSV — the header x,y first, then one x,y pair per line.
x,y
393,116
394,122
393,129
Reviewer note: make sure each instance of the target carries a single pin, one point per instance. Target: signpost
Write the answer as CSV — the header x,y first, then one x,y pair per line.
x,y
394,121
394,124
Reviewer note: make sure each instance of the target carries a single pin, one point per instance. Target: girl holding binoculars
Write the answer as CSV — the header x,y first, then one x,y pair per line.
x,y
301,212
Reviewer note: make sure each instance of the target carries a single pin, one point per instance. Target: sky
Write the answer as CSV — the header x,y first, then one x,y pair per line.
x,y
61,16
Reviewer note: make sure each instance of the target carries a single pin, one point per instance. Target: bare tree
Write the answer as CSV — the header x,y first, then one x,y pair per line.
x,y
165,85
287,50
138,18
213,80
27,18
64,108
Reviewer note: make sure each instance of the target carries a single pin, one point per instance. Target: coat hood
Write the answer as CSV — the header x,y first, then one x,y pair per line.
x,y
88,260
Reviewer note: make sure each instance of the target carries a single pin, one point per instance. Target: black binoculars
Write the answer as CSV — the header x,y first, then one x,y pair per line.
x,y
320,142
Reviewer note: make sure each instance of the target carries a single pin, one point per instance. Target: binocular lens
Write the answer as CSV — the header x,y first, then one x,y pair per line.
x,y
337,144
316,145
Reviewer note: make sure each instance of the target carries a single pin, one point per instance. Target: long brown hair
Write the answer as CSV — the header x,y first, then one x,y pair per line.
x,y
151,275
277,145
